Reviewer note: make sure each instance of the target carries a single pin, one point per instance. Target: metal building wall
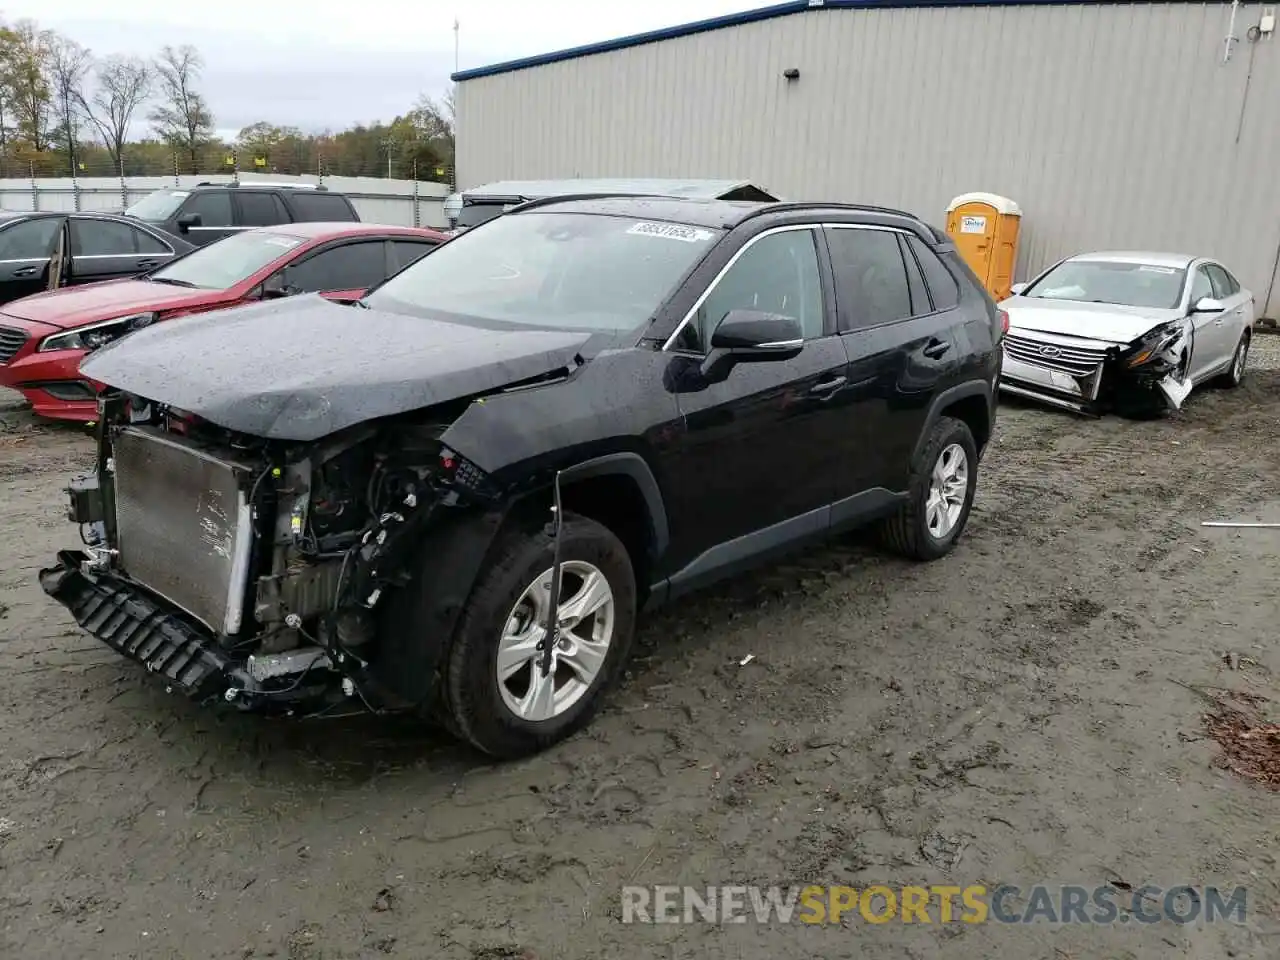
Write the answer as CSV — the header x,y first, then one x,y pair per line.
x,y
1113,125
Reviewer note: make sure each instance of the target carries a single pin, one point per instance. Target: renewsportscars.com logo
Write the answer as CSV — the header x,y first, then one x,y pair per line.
x,y
877,904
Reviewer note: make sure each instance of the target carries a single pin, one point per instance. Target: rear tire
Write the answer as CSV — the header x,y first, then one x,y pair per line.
x,y
1239,360
927,526
502,618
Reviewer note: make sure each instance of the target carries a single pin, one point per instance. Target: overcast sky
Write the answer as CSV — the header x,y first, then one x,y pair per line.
x,y
330,63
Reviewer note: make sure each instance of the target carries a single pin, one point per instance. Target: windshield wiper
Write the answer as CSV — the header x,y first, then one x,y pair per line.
x,y
172,282
361,304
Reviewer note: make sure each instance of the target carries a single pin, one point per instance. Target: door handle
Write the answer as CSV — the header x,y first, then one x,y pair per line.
x,y
935,348
147,263
827,387
25,272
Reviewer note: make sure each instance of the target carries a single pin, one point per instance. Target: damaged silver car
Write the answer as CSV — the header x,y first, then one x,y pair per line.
x,y
1132,333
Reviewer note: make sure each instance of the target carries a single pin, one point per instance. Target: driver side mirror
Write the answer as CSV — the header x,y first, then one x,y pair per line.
x,y
1208,305
187,221
277,286
751,336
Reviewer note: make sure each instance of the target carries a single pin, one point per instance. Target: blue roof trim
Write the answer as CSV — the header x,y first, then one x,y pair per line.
x,y
747,16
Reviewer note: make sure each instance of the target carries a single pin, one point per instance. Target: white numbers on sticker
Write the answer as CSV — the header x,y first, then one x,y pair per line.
x,y
671,231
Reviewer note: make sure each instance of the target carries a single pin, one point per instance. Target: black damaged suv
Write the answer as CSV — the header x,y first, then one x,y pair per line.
x,y
454,497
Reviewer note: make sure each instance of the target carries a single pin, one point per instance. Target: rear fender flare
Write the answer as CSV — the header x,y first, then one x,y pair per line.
x,y
973,388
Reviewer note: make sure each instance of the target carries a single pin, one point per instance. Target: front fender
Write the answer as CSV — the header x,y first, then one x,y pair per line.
x,y
419,621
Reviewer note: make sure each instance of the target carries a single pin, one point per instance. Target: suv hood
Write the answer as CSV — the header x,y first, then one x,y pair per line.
x,y
303,368
76,306
1091,321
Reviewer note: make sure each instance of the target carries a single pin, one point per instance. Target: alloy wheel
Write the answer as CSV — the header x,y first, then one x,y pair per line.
x,y
1242,354
585,619
948,489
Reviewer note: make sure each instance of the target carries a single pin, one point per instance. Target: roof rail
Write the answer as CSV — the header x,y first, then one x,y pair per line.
x,y
835,205
566,197
257,183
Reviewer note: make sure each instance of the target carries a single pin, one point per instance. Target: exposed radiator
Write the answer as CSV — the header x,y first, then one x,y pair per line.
x,y
183,525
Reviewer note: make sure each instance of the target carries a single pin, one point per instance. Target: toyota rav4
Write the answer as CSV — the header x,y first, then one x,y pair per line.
x,y
453,497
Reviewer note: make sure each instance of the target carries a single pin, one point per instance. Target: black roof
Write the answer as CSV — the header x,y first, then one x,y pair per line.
x,y
715,213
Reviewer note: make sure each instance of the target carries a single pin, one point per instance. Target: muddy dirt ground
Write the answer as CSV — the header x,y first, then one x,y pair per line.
x,y
1020,712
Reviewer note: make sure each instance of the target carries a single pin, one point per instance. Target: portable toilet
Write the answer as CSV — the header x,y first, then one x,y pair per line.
x,y
984,228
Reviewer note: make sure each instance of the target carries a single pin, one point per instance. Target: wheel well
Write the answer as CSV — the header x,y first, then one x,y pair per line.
x,y
975,414
615,501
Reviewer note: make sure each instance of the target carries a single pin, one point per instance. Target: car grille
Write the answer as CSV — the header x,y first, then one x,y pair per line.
x,y
183,525
11,341
1075,360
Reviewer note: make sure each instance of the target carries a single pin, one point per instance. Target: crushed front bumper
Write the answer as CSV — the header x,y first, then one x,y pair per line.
x,y
185,656
1086,377
1057,388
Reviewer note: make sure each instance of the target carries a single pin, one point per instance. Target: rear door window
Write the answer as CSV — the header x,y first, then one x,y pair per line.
x,y
352,266
320,207
213,206
29,239
259,209
407,251
110,238
871,277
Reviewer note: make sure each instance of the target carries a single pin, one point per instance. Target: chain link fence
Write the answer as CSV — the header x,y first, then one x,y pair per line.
x,y
105,189
347,155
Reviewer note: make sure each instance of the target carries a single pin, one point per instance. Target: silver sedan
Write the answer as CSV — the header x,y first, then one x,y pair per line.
x,y
1130,332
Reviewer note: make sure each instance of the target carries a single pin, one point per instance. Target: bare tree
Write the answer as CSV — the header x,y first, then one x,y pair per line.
x,y
182,117
122,84
68,65
435,122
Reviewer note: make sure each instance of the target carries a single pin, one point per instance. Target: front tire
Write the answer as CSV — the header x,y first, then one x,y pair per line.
x,y
940,494
497,697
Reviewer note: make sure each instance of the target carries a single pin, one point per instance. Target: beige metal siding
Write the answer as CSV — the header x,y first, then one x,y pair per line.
x,y
1114,126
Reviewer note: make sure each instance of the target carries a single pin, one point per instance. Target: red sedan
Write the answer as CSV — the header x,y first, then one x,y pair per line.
x,y
43,337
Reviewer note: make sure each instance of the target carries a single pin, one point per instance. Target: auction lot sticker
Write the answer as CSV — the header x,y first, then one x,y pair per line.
x,y
671,231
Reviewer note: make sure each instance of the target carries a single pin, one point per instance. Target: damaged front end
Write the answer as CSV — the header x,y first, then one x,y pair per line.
x,y
1148,375
1154,371
259,573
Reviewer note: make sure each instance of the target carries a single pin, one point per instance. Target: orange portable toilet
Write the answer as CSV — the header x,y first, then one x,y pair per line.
x,y
984,228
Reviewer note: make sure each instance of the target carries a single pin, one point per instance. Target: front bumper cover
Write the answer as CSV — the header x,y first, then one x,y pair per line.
x,y
1107,383
182,654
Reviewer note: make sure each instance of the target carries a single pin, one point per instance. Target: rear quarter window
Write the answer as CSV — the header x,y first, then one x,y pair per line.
x,y
320,207
942,285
